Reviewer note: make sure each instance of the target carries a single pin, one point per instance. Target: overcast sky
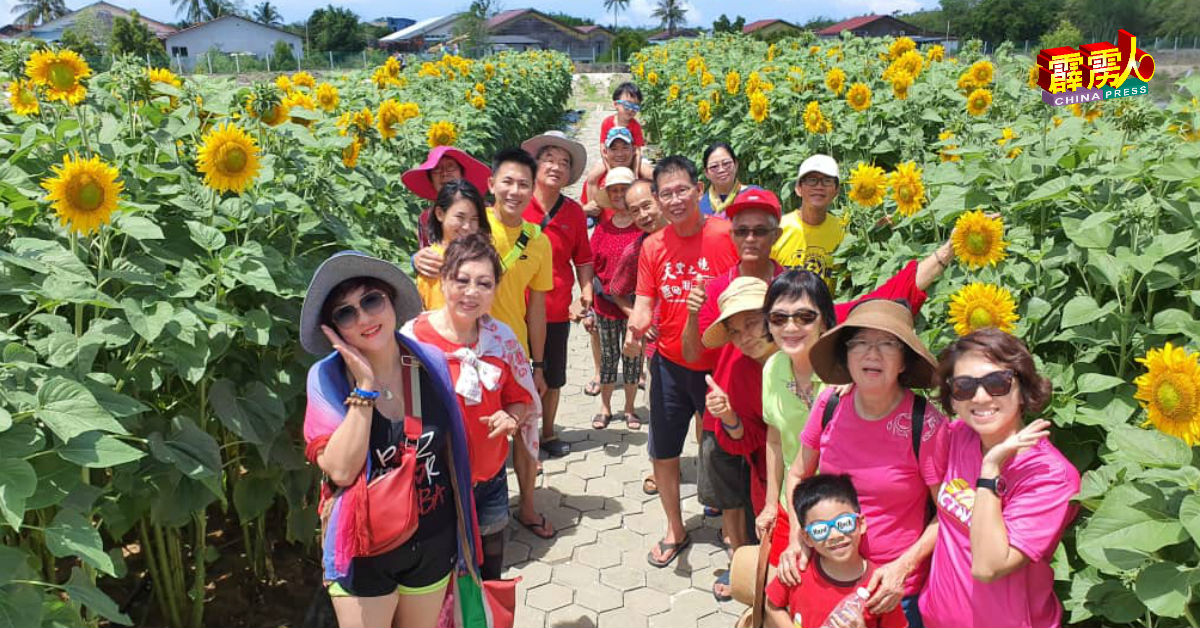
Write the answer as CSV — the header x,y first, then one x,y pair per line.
x,y
700,12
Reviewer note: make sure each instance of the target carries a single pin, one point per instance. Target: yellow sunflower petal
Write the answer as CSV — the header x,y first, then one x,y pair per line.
x,y
867,185
228,158
61,73
1170,392
84,192
979,305
978,240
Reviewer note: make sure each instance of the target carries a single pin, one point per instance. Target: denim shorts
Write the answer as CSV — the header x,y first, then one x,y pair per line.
x,y
676,394
491,503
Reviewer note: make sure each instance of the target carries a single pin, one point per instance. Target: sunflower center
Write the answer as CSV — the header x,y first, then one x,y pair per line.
x,y
89,195
906,193
26,97
1168,396
977,244
980,318
62,76
235,159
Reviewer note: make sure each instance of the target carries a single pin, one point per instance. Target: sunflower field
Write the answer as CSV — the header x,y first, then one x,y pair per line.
x,y
1078,230
156,238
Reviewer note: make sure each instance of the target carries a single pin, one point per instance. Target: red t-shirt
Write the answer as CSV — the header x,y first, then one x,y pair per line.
x,y
635,129
487,454
609,242
667,268
741,378
817,595
902,286
568,244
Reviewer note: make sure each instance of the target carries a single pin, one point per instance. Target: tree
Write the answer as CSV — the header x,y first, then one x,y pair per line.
x,y
670,13
39,11
266,13
723,25
472,26
131,36
191,10
615,6
570,20
1066,34
626,42
334,28
86,35
283,57
204,10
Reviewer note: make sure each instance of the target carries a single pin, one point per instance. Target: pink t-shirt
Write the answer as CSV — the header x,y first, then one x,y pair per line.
x,y
1036,508
893,487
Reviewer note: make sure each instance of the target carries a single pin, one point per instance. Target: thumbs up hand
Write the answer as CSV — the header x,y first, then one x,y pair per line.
x,y
717,402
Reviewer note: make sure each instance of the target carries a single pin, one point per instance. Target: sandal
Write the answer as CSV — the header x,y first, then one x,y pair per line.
x,y
633,421
538,529
722,581
593,388
674,548
555,448
601,421
649,486
709,511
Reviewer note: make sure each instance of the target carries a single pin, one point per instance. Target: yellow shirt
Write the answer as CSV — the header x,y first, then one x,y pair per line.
x,y
532,270
802,245
430,288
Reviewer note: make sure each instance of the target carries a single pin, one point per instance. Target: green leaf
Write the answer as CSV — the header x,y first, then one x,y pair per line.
x,y
192,450
1189,515
5,420
1053,188
1164,588
251,272
14,564
1149,448
72,535
1132,521
1094,232
1082,310
98,451
17,484
1116,602
20,606
20,441
256,416
258,327
85,593
138,227
69,409
253,495
208,238
1095,382
148,321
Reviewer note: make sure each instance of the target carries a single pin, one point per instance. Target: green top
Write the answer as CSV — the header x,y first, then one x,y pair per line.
x,y
783,409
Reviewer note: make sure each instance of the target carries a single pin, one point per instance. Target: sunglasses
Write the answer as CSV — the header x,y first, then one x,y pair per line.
x,y
630,105
801,317
820,530
758,232
370,304
996,383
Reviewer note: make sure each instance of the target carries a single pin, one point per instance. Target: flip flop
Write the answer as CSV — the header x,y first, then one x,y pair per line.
x,y
601,421
722,579
633,421
592,389
555,448
709,511
534,527
674,548
649,486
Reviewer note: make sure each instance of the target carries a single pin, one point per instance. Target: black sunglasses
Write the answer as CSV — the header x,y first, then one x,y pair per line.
x,y
371,303
996,383
759,232
802,317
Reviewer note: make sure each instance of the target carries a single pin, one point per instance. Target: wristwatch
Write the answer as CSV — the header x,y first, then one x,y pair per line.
x,y
538,364
996,485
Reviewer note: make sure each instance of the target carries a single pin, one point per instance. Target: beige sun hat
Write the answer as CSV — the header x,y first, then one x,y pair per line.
x,y
557,138
884,315
744,294
619,176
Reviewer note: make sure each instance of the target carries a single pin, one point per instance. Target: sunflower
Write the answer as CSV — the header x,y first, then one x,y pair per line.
x,y
978,239
695,64
382,79
652,77
84,192
164,76
732,81
363,120
753,83
1005,135
479,102
900,84
442,134
704,111
283,83
867,184
760,107
409,110
1170,392
1016,150
391,67
900,46
911,62
966,83
979,305
228,159
936,53
706,79
814,120
1033,76
982,72
327,96
303,79
979,101
944,153
297,99
61,73
489,71
350,153
22,95
907,188
859,97
389,118
835,80
673,93
771,51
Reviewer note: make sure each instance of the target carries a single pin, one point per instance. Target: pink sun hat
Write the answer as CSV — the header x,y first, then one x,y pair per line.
x,y
417,179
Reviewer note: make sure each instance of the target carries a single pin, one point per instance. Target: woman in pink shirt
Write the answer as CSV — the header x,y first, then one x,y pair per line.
x,y
1005,495
879,433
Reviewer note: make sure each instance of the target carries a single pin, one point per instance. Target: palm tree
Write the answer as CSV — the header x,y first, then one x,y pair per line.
x,y
671,13
191,10
204,10
614,6
266,13
39,11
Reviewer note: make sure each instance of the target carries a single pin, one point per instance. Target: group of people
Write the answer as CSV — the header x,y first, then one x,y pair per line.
x,y
813,437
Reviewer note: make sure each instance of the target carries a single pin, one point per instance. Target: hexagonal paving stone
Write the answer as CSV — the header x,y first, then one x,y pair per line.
x,y
526,616
648,523
621,618
598,598
721,619
605,487
647,602
669,580
573,616
568,484
671,619
586,469
601,520
631,506
625,539
560,548
549,597
623,577
694,604
533,574
597,555
584,503
576,575
515,552
605,436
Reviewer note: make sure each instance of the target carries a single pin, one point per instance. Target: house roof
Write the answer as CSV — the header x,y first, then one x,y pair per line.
x,y
160,29
588,28
859,22
504,17
681,32
761,24
233,17
419,28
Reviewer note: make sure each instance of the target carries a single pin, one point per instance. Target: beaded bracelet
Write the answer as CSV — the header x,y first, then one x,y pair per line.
x,y
362,398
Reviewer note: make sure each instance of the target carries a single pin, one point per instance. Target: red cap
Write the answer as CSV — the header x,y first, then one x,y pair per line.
x,y
417,179
755,198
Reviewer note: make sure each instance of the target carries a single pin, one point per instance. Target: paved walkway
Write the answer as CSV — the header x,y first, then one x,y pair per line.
x,y
594,572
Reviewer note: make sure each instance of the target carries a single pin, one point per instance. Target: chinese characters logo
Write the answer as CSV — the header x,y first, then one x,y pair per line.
x,y
1094,72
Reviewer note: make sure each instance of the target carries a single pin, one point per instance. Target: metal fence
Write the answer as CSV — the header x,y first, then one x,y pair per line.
x,y
219,62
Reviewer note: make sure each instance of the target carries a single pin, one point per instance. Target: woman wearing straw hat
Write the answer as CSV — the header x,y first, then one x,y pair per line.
x,y
442,165
875,434
375,400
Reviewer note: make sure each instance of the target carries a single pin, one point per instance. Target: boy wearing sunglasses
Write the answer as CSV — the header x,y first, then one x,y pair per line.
x,y
828,507
627,101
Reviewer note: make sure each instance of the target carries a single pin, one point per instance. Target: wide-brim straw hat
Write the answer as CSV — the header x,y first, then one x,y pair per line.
x,y
744,294
743,572
884,315
417,179
557,138
348,265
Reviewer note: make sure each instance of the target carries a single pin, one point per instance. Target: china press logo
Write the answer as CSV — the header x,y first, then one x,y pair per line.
x,y
1098,71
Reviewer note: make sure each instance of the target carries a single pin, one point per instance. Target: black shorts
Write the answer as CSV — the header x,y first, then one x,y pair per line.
x,y
415,565
723,479
676,394
555,354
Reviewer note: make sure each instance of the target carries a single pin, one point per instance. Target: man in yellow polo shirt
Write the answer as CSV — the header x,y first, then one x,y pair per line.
x,y
811,234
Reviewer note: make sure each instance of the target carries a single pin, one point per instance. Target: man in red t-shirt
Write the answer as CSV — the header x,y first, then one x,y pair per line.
x,y
690,250
561,162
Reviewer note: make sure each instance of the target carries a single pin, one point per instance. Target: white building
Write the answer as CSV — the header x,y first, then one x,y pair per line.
x,y
229,34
